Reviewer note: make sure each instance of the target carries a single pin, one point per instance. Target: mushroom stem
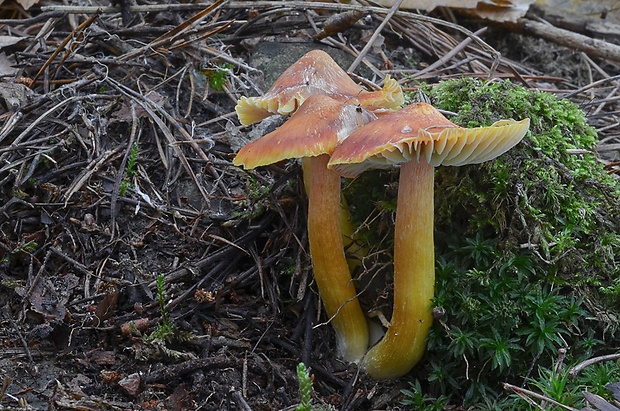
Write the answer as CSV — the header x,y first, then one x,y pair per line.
x,y
355,252
414,276
331,271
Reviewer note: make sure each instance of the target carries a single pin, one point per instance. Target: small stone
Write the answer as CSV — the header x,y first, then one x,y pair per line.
x,y
131,384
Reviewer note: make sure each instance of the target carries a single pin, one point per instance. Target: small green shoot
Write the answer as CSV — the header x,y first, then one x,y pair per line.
x,y
130,169
132,161
218,75
305,391
28,247
422,402
305,388
165,331
159,341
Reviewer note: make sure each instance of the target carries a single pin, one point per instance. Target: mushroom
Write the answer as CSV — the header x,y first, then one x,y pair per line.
x,y
315,73
419,138
313,132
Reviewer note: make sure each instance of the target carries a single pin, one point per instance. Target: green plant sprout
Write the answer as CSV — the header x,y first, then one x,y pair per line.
x,y
130,169
165,330
27,247
305,388
218,75
21,251
417,401
158,341
305,391
556,383
132,161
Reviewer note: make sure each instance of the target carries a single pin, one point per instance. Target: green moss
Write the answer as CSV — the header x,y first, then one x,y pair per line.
x,y
527,245
539,195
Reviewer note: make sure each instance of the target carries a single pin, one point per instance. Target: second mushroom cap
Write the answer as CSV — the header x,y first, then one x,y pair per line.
x,y
420,132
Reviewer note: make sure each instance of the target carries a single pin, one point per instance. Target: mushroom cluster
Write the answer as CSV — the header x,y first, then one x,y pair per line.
x,y
340,129
325,107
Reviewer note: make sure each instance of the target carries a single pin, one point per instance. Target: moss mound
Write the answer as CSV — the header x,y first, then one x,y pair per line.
x,y
549,197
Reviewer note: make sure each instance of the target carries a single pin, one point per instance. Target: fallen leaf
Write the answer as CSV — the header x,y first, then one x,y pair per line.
x,y
179,400
124,113
496,10
48,298
6,41
26,4
13,96
599,402
107,306
6,65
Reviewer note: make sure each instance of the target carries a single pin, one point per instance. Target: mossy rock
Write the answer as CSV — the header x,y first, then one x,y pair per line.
x,y
549,196
527,245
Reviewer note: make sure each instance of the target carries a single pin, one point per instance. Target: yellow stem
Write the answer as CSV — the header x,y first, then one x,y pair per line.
x,y
414,276
328,259
355,251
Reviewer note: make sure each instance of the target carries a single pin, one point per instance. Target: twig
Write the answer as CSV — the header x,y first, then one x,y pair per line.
x,y
88,172
121,171
367,9
146,104
522,391
75,264
176,370
240,401
171,35
445,58
374,36
31,20
592,85
33,367
591,46
62,45
306,349
35,122
146,8
581,366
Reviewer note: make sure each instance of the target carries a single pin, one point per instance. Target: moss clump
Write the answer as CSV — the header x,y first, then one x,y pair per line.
x,y
527,247
559,207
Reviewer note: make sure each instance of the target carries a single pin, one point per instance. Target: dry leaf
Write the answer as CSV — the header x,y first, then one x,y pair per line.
x,y
13,96
6,65
124,112
26,4
496,10
605,10
6,41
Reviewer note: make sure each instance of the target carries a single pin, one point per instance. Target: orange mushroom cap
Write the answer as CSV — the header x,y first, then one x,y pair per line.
x,y
420,132
315,129
315,73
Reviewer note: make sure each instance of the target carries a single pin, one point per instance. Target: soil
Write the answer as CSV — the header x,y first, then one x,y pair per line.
x,y
116,171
